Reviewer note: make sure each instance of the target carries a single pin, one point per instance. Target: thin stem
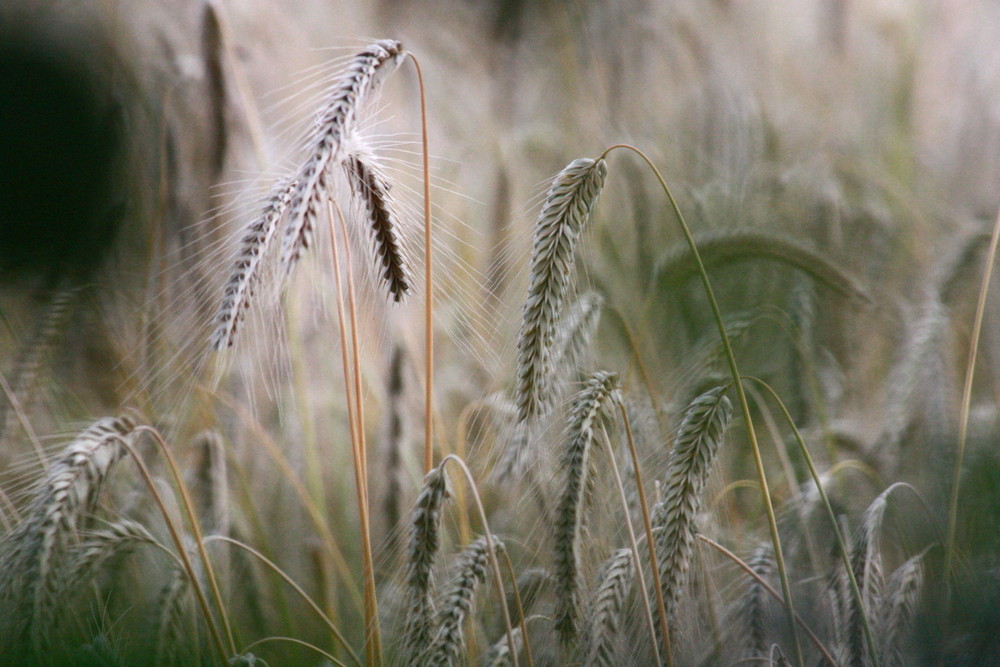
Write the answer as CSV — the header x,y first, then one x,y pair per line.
x,y
181,552
520,609
643,594
741,394
841,542
373,656
490,547
195,528
428,281
650,544
292,640
298,589
963,421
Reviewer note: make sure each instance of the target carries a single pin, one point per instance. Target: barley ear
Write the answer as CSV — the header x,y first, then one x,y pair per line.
x,y
564,214
613,585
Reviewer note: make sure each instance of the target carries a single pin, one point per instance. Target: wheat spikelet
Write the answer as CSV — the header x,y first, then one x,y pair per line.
x,y
500,652
254,248
564,214
613,585
100,547
752,610
171,608
65,497
899,604
696,446
866,561
457,602
210,484
600,392
425,540
334,126
370,187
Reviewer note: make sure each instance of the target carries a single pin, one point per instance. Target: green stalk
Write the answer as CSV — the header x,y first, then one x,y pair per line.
x,y
741,394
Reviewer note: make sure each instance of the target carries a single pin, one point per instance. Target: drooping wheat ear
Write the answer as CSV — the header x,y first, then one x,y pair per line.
x,y
752,609
564,214
117,539
898,607
866,561
613,585
425,540
574,333
333,127
599,394
500,652
64,499
34,355
455,605
695,449
210,483
371,188
172,605
249,264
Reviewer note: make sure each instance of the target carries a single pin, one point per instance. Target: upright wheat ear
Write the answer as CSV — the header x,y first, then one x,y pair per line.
x,y
695,449
371,188
362,78
564,214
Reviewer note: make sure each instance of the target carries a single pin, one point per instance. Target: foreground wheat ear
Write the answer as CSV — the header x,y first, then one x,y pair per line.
x,y
297,200
564,214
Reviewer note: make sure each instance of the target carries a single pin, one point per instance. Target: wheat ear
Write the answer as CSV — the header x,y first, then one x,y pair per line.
x,y
171,606
425,540
589,406
372,189
898,607
613,585
866,562
100,547
334,126
456,604
66,496
695,449
752,610
564,214
254,248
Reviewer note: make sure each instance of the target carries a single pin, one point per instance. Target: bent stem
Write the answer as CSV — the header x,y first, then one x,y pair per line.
x,y
741,394
841,542
491,548
963,421
195,528
428,282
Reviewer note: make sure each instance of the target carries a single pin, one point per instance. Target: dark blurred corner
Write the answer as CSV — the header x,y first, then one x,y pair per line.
x,y
60,153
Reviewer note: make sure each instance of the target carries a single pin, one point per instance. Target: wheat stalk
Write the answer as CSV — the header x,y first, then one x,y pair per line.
x,y
457,602
697,444
246,273
371,188
564,214
589,406
613,585
334,126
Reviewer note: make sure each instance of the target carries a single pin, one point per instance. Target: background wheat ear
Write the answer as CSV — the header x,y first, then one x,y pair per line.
x,y
564,214
614,582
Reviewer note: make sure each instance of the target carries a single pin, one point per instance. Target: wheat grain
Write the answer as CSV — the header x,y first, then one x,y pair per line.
x,y
348,93
697,444
370,187
613,585
589,406
564,214
254,250
457,602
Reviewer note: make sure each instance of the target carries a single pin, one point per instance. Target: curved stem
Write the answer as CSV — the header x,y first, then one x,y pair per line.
x,y
494,561
841,542
741,394
292,640
195,528
963,422
428,281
